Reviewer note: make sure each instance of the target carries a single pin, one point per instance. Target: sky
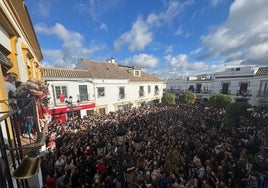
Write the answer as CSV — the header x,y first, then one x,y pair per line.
x,y
166,38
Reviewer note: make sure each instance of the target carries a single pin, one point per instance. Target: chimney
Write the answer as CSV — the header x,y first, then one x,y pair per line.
x,y
110,60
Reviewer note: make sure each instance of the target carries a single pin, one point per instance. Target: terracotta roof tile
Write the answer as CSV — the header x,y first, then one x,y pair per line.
x,y
64,73
104,70
100,70
107,70
262,71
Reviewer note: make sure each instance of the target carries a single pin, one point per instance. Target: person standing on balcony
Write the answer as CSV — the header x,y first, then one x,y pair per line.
x,y
29,95
10,80
26,101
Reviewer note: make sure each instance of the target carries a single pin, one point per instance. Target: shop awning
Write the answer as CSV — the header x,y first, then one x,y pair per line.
x,y
66,109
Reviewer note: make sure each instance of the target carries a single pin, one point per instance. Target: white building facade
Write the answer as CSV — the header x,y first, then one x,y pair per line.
x,y
99,87
71,93
247,83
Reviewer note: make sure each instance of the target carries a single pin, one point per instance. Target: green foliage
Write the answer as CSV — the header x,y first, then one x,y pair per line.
x,y
212,133
220,100
129,105
188,98
173,160
168,98
234,112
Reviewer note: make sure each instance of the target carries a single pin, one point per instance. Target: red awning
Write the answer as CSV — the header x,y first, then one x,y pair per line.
x,y
59,117
65,109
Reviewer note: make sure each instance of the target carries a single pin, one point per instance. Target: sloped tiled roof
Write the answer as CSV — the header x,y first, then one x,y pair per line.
x,y
262,71
103,70
64,73
143,75
107,70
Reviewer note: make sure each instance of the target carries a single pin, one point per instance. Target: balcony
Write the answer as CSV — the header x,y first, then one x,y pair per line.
x,y
262,97
227,92
20,154
84,97
243,93
141,93
263,94
121,96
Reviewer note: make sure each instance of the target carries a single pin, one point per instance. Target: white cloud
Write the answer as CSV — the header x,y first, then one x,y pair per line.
x,y
174,9
143,61
178,61
179,31
141,33
43,7
196,51
181,66
72,45
103,26
96,8
137,38
215,3
258,52
243,36
169,49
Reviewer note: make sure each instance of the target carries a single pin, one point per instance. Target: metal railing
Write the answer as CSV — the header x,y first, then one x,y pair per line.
x,y
14,152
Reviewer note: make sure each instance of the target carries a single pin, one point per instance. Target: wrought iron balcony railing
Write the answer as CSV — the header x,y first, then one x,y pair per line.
x,y
20,155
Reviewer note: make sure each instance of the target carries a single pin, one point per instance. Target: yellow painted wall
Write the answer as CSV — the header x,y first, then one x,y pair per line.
x,y
13,56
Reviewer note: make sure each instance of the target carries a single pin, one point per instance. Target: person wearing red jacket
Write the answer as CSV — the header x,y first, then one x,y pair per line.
x,y
101,167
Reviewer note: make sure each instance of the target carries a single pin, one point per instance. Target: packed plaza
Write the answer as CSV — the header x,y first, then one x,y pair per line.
x,y
182,146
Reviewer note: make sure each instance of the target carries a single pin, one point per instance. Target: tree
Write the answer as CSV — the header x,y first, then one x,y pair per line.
x,y
220,100
168,98
188,98
234,112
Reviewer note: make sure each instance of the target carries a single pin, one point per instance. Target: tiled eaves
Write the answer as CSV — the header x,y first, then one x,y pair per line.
x,y
64,73
105,70
262,71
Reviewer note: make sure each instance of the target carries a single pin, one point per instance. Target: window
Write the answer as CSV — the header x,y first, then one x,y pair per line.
x,y
121,92
265,90
83,95
101,92
156,90
141,91
61,90
243,88
205,88
225,88
149,89
198,88
60,93
136,73
191,88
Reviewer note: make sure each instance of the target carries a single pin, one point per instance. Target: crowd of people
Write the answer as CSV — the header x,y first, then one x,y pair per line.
x,y
182,146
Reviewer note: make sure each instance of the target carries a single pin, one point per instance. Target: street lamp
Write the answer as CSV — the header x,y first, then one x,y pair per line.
x,y
124,163
70,102
101,147
137,142
129,168
121,135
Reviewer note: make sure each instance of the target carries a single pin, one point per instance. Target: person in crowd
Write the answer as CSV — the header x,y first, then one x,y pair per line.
x,y
50,181
10,80
209,153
